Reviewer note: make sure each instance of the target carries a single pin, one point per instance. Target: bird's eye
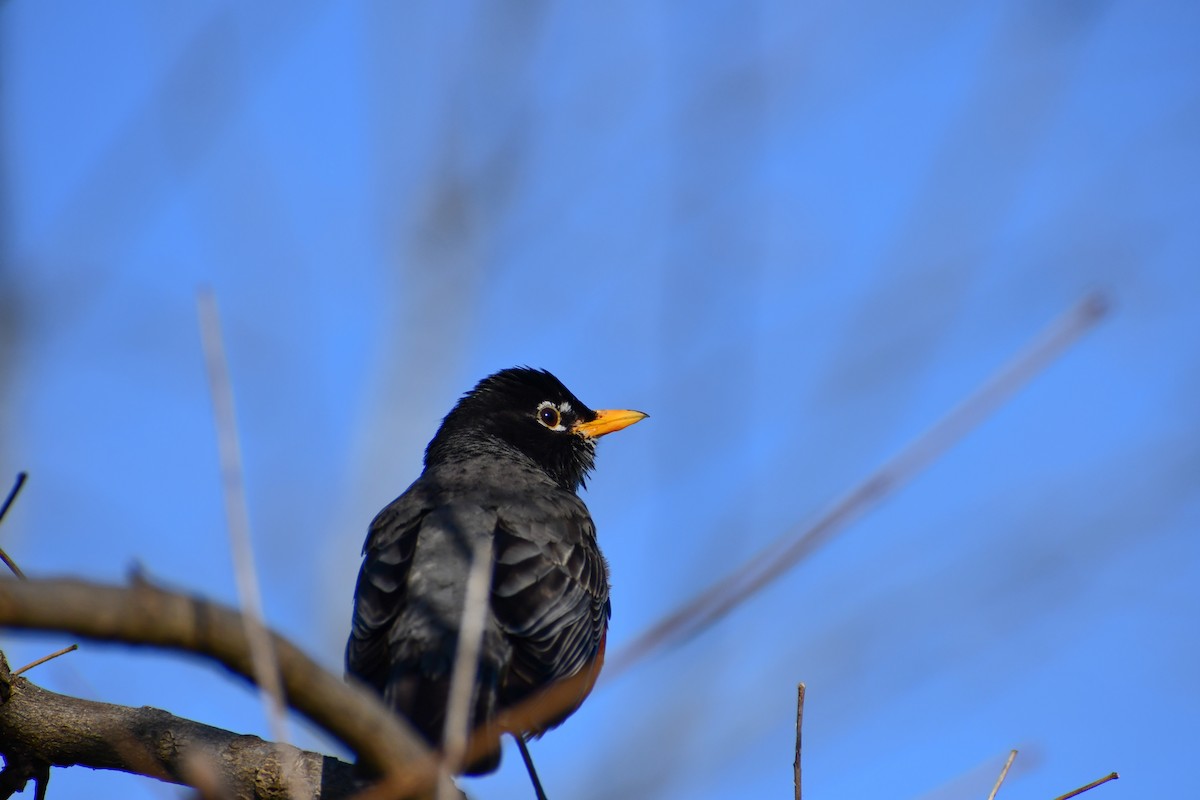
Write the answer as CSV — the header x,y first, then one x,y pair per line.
x,y
548,415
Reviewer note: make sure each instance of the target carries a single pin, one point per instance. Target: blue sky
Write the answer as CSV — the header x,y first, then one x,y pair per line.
x,y
794,234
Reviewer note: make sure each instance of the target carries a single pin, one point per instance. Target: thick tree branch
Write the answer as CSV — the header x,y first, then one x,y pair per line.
x,y
38,727
147,615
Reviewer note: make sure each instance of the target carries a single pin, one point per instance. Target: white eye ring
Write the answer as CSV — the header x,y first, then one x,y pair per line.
x,y
550,416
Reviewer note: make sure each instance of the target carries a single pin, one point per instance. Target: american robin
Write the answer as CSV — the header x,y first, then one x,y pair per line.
x,y
506,463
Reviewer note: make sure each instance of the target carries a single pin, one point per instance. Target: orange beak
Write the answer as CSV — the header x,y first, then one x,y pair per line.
x,y
608,421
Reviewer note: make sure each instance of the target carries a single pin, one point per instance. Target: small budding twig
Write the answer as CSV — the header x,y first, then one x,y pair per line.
x,y
1112,776
44,659
799,720
1003,774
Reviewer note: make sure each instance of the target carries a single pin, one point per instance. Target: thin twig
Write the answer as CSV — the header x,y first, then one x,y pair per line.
x,y
1112,776
233,485
68,649
466,666
12,565
8,501
12,493
799,720
523,746
1003,774
776,559
968,780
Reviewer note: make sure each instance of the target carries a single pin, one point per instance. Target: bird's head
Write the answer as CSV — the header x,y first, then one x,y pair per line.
x,y
531,412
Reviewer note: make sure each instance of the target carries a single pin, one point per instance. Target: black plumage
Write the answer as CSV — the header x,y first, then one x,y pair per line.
x,y
506,463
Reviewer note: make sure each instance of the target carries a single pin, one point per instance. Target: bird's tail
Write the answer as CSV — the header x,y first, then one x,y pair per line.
x,y
423,699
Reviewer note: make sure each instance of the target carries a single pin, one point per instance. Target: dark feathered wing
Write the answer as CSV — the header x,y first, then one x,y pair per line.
x,y
550,596
408,609
382,589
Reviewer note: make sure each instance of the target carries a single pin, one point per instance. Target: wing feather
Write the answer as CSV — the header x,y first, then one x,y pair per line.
x,y
550,595
381,591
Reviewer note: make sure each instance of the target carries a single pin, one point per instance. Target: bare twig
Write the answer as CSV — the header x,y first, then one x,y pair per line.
x,y
266,670
776,559
12,493
12,565
8,501
1003,774
68,649
799,720
523,746
457,727
147,615
1112,776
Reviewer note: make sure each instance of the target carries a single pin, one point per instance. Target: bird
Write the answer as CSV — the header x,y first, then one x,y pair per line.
x,y
506,463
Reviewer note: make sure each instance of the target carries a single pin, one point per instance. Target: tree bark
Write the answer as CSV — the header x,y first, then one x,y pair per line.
x,y
39,729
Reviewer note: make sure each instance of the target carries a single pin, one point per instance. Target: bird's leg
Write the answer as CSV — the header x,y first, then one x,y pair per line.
x,y
533,776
